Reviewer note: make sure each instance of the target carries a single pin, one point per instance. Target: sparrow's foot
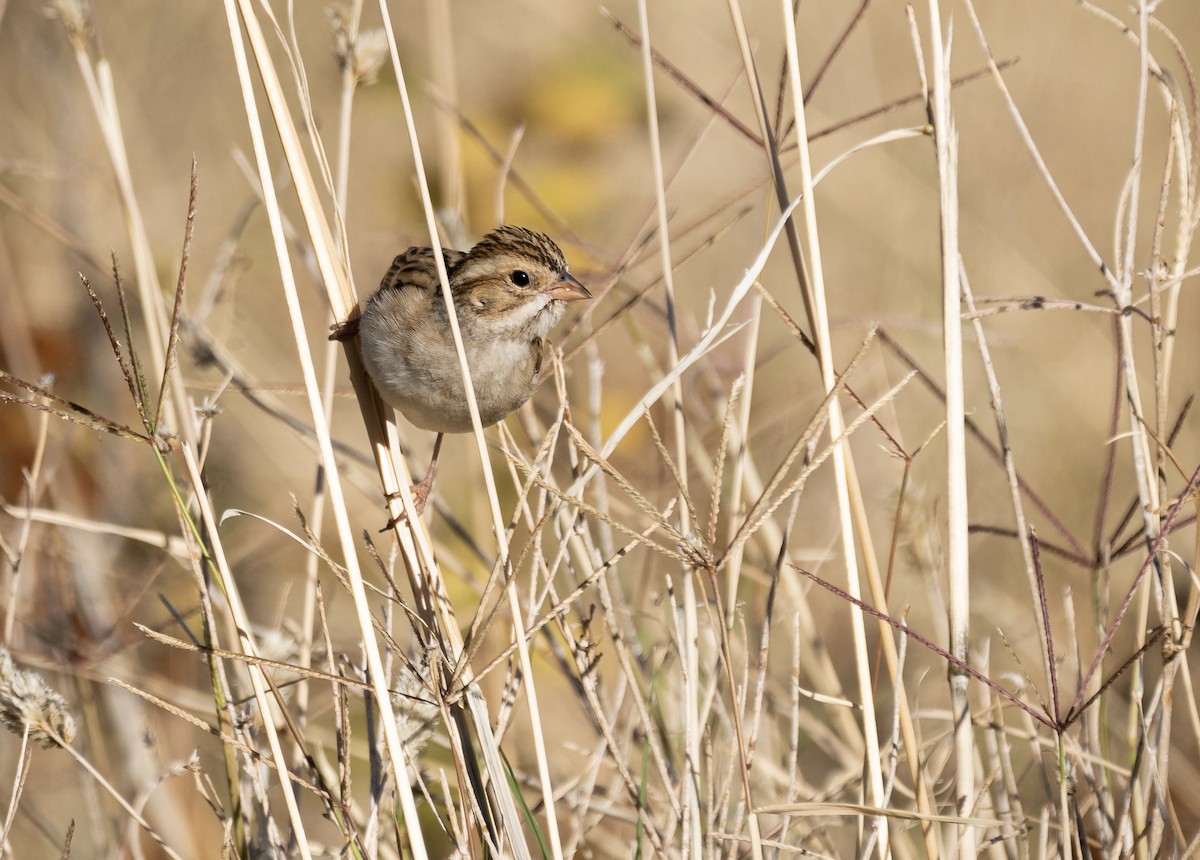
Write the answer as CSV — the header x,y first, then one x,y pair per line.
x,y
345,330
420,495
420,492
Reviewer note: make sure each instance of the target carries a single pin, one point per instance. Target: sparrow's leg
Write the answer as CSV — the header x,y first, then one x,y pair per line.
x,y
346,329
421,491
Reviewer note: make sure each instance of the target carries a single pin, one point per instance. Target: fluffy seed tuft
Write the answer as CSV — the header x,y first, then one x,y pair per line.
x,y
28,704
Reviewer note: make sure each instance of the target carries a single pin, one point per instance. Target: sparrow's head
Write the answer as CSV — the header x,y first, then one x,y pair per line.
x,y
517,279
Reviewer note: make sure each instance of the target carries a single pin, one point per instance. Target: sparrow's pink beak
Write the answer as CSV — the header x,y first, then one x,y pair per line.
x,y
569,290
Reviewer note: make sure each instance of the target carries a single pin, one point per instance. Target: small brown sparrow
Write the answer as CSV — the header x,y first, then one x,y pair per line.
x,y
509,291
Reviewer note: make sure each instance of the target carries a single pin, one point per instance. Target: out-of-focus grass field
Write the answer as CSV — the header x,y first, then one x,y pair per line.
x,y
661,703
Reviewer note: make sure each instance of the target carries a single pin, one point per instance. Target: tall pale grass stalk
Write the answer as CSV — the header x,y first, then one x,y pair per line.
x,y
958,551
337,282
443,57
507,807
175,413
744,478
350,80
98,80
670,727
316,516
1022,128
1120,279
1163,278
1010,471
505,169
716,331
32,478
693,841
1143,462
17,791
842,465
258,681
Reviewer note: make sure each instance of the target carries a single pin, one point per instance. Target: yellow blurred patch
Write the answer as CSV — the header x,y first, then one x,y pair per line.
x,y
586,101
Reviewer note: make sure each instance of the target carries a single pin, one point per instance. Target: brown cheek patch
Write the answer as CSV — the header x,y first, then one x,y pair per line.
x,y
497,298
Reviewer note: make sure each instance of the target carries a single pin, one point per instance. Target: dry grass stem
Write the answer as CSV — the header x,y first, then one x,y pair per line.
x,y
601,636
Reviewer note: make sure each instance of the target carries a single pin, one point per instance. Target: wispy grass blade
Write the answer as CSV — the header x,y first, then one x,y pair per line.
x,y
177,310
66,409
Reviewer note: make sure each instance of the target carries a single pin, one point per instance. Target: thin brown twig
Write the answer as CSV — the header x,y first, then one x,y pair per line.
x,y
680,77
694,89
932,646
1151,556
819,75
1044,609
916,98
807,343
1085,561
1078,711
1034,499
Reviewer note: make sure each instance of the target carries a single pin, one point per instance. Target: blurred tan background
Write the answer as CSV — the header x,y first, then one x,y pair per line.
x,y
575,82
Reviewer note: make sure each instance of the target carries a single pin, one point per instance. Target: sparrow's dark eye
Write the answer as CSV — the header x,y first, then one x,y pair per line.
x,y
520,278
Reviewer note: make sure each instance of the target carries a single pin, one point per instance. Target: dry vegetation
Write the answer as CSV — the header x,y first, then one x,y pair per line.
x,y
869,533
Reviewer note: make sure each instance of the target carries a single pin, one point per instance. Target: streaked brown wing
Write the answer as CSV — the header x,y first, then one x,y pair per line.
x,y
415,268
